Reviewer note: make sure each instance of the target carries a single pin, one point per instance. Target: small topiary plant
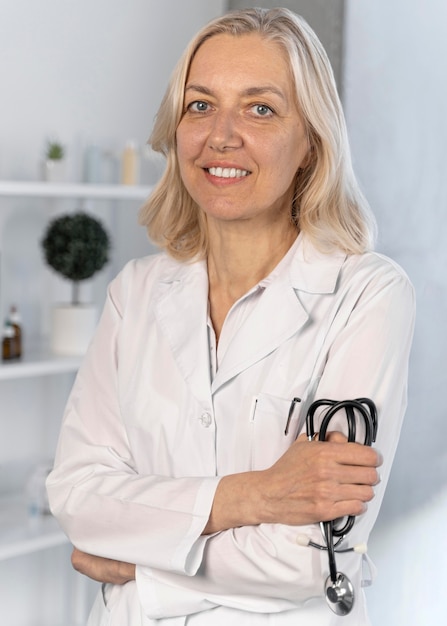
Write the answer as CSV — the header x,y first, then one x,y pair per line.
x,y
76,246
55,151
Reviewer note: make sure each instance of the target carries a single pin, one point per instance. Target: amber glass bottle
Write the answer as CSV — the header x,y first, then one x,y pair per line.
x,y
8,343
15,321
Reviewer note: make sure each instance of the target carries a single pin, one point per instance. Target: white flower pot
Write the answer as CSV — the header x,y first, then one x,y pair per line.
x,y
54,170
72,328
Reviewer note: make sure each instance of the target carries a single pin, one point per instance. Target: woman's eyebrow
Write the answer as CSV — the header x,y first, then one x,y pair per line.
x,y
264,90
250,91
199,89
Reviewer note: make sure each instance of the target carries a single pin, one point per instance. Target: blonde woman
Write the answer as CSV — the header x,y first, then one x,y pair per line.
x,y
182,476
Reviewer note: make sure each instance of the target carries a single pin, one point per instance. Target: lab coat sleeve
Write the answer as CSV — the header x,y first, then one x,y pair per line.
x,y
262,569
104,505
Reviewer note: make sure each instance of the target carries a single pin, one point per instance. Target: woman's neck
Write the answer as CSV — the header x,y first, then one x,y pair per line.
x,y
238,259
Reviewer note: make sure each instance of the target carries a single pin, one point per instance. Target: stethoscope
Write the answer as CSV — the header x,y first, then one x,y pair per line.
x,y
338,588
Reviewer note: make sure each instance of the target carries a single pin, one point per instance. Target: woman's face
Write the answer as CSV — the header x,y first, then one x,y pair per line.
x,y
241,139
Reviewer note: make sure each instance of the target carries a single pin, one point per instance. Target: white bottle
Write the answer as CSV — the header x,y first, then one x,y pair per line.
x,y
130,166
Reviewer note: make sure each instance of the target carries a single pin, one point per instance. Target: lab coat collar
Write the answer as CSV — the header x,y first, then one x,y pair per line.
x,y
182,305
313,271
280,313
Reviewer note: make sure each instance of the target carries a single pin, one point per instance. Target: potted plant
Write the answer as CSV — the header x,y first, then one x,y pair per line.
x,y
54,163
76,246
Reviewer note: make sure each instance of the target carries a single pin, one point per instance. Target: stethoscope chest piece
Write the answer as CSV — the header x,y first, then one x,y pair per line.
x,y
339,594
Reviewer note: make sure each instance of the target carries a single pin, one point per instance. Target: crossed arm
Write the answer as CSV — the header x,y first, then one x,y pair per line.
x,y
312,482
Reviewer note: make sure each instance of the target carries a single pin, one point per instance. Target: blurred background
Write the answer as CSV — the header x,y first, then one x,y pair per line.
x,y
90,75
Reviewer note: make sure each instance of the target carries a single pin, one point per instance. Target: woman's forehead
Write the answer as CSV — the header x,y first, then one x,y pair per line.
x,y
248,58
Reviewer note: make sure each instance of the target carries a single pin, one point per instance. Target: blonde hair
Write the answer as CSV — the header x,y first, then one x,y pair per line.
x,y
328,204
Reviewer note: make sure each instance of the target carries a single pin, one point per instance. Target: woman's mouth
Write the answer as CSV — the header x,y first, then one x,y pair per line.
x,y
227,172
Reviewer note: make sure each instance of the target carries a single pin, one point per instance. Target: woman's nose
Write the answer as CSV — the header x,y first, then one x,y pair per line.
x,y
224,132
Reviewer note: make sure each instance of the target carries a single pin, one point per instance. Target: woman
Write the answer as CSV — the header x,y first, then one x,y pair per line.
x,y
179,477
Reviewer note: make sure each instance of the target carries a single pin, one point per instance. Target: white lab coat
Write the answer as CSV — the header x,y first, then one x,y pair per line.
x,y
147,433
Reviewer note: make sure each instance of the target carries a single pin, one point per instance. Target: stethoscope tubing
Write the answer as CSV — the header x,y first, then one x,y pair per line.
x,y
369,416
367,410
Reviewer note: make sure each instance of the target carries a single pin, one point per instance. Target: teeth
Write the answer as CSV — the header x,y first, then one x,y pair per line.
x,y
227,172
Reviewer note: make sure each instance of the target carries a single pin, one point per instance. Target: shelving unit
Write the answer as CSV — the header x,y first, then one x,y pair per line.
x,y
38,362
20,536
28,189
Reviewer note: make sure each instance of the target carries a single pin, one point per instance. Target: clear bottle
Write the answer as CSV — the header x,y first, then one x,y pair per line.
x,y
93,164
36,493
130,165
15,320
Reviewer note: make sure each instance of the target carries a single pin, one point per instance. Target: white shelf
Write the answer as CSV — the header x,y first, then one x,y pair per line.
x,y
38,361
68,190
19,535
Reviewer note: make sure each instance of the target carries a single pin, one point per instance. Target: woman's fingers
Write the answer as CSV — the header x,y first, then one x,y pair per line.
x,y
319,481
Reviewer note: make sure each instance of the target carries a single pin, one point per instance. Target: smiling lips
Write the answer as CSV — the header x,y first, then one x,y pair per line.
x,y
227,172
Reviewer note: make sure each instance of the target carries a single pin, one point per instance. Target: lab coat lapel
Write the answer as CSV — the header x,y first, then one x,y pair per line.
x,y
277,316
280,314
181,310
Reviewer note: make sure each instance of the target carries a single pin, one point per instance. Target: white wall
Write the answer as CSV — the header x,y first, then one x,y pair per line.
x,y
396,103
89,70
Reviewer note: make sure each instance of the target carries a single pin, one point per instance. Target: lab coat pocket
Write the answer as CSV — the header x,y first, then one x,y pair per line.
x,y
100,613
275,423
116,605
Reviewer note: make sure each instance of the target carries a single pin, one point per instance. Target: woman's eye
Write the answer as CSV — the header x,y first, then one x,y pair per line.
x,y
262,110
198,106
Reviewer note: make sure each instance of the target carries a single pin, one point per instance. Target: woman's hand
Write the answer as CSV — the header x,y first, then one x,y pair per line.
x,y
320,481
101,569
313,481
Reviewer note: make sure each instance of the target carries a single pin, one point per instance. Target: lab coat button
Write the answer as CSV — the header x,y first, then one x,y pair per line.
x,y
205,420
